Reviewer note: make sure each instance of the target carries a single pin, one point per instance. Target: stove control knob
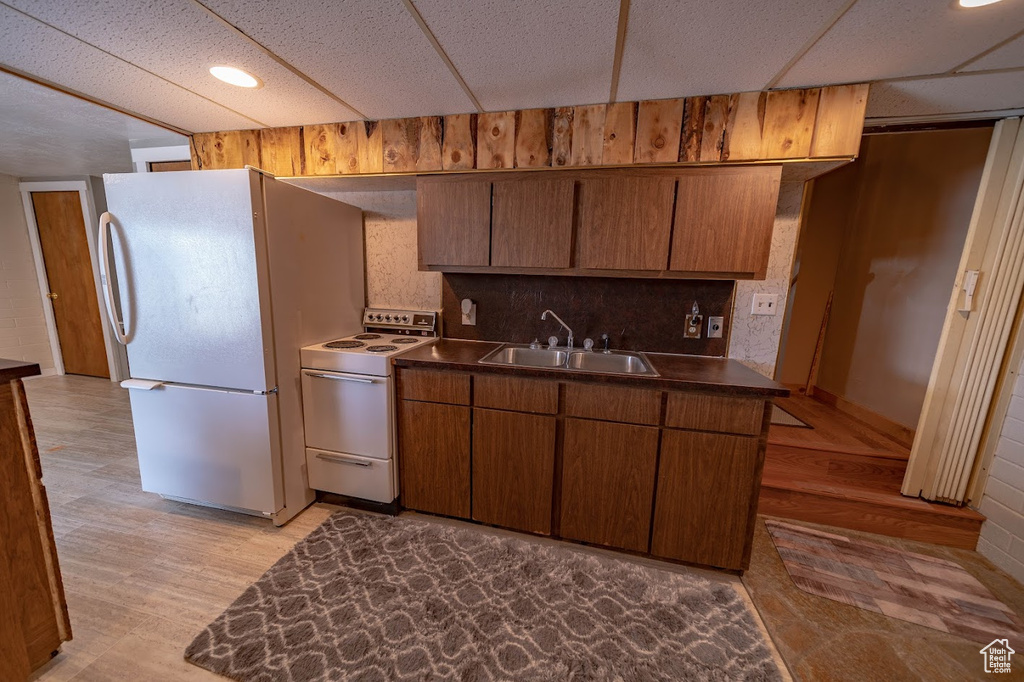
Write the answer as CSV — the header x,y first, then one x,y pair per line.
x,y
387,317
405,318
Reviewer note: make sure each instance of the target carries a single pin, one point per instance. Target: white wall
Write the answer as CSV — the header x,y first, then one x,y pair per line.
x,y
22,326
755,338
1002,535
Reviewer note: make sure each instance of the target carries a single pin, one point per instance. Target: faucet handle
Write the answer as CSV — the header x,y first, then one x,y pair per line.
x,y
588,344
552,341
607,341
535,344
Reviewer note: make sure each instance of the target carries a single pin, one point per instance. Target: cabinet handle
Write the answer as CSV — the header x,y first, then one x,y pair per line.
x,y
337,377
341,460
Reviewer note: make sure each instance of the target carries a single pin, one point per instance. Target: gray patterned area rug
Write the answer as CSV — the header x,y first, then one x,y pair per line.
x,y
366,597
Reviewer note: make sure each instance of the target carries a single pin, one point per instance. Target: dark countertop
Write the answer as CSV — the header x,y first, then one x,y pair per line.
x,y
680,372
16,369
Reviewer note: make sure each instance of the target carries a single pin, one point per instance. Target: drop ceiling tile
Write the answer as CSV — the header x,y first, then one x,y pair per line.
x,y
179,41
524,55
1009,56
880,39
47,133
947,95
31,47
693,47
371,53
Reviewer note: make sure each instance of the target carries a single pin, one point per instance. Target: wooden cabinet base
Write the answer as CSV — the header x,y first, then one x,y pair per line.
x,y
33,611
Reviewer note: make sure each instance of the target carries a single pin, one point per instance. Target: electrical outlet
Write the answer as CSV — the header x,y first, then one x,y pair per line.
x,y
715,325
691,330
764,304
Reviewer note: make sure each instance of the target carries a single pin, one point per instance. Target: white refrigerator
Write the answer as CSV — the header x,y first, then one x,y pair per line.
x,y
214,280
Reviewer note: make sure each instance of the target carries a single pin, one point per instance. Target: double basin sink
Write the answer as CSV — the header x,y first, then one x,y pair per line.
x,y
602,362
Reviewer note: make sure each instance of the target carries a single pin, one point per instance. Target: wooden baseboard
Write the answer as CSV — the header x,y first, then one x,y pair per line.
x,y
898,432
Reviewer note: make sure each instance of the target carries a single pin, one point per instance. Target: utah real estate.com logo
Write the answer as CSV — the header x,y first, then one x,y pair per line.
x,y
997,656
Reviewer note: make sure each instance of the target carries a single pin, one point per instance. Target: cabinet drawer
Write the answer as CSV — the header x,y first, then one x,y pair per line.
x,y
433,387
519,395
613,403
714,413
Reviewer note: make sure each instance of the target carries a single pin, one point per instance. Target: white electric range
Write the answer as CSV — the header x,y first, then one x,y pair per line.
x,y
348,398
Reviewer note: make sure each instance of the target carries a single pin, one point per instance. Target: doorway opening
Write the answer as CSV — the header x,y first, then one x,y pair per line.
x,y
880,245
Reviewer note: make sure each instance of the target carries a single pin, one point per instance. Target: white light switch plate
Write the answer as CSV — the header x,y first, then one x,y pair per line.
x,y
764,304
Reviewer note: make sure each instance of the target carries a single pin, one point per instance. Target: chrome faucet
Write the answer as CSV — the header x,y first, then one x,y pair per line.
x,y
544,316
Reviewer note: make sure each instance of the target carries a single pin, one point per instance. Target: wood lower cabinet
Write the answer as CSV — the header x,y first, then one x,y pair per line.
x,y
453,218
433,442
513,469
608,473
707,498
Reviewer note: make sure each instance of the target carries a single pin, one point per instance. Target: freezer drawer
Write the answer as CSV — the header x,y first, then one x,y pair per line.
x,y
350,413
212,446
363,477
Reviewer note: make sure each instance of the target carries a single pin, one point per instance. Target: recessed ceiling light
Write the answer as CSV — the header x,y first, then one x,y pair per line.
x,y
977,3
230,74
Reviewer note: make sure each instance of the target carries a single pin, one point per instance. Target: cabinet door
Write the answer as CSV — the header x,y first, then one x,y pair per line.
x,y
724,220
513,469
532,223
707,498
608,483
454,221
433,456
625,222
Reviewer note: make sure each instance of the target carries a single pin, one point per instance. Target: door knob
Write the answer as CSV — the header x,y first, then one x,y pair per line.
x,y
52,297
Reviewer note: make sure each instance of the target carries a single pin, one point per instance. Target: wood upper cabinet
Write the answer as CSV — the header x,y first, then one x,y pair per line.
x,y
608,473
707,494
453,217
532,222
724,219
433,443
513,469
625,221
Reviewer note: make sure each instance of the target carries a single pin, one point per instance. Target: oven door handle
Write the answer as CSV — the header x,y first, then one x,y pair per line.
x,y
341,460
338,377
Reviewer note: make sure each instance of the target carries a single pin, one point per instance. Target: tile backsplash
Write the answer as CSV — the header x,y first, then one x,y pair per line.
x,y
638,314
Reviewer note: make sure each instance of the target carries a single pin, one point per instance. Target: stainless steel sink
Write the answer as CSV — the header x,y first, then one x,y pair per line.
x,y
602,362
524,356
612,362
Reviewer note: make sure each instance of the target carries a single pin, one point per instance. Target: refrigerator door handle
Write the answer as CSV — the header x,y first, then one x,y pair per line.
x,y
106,277
338,377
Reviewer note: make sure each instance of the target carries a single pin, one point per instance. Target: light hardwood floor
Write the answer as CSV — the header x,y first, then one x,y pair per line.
x,y
143,575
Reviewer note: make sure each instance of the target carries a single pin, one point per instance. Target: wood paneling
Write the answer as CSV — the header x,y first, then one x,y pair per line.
x,y
29,576
588,135
724,219
714,413
496,139
625,222
561,138
513,393
281,151
411,144
692,129
533,138
369,146
789,118
707,492
532,222
619,134
513,469
608,473
459,145
228,149
169,166
454,221
658,130
840,120
433,387
322,149
613,403
434,447
716,118
745,128
348,148
76,310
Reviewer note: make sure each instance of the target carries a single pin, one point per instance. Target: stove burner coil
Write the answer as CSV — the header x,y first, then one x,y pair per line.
x,y
366,337
402,340
344,344
381,349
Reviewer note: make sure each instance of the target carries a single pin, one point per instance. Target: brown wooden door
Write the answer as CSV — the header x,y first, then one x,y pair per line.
x,y
625,221
724,220
433,456
532,223
76,309
608,483
453,216
707,496
513,469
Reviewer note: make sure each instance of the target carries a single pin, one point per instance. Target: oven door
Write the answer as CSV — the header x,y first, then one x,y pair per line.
x,y
348,413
